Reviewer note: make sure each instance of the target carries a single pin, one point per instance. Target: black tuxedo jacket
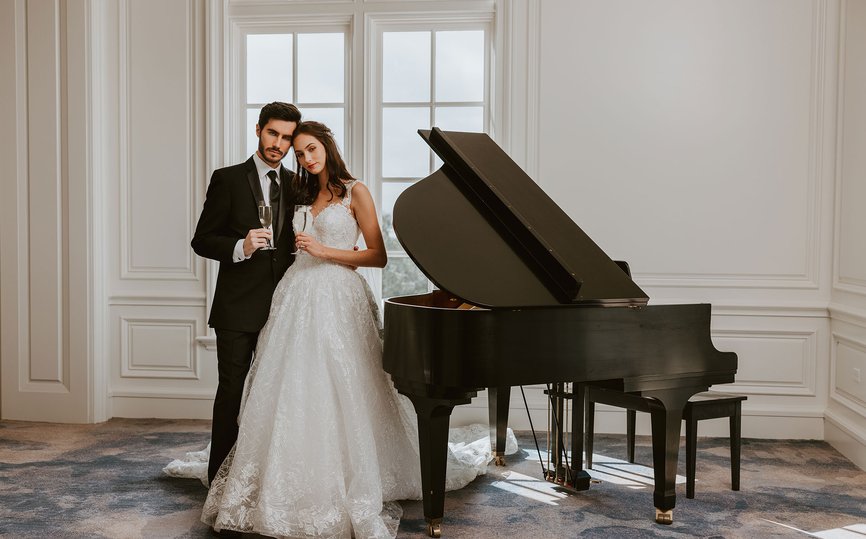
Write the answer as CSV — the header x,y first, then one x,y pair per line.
x,y
244,289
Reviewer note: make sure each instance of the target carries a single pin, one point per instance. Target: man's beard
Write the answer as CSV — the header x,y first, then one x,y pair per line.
x,y
265,157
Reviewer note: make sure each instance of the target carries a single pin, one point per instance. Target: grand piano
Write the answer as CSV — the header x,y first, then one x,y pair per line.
x,y
526,297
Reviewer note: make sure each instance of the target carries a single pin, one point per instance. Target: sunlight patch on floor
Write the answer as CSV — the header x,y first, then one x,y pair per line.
x,y
622,472
530,487
607,469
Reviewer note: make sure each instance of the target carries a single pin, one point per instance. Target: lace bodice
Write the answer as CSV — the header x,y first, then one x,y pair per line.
x,y
335,225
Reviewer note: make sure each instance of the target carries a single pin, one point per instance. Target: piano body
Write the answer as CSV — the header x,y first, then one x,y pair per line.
x,y
526,297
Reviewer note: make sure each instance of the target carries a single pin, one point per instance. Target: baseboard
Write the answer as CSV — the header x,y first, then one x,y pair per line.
x,y
786,425
846,438
164,408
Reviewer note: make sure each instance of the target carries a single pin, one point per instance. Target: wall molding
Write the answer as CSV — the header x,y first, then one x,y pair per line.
x,y
806,386
846,399
128,269
846,313
132,366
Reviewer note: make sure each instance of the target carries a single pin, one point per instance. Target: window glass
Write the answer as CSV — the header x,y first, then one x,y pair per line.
x,y
460,66
404,153
320,68
390,192
460,119
269,68
402,278
405,67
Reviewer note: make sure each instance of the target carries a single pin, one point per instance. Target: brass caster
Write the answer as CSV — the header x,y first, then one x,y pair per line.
x,y
665,517
499,460
434,528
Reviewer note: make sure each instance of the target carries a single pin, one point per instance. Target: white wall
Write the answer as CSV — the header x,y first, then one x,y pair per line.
x,y
697,140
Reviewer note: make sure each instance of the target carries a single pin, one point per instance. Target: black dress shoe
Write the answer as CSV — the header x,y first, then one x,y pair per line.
x,y
226,533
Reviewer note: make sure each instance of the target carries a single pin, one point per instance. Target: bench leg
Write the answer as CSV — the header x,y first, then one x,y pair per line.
x,y
735,448
629,433
589,431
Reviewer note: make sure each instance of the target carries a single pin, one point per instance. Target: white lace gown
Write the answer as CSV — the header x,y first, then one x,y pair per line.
x,y
325,441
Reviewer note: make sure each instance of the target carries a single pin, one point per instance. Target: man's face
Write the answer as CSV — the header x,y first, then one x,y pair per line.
x,y
275,139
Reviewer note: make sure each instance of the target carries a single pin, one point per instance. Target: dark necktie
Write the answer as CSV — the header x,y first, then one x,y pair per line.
x,y
274,195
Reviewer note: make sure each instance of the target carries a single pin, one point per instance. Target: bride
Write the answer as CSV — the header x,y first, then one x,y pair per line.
x,y
325,443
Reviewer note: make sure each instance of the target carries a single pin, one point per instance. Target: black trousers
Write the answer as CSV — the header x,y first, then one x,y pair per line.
x,y
234,356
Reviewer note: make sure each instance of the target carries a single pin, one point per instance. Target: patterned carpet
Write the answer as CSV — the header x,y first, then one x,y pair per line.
x,y
71,481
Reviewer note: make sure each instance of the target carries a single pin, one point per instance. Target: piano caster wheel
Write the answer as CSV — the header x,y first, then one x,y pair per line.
x,y
499,460
665,517
434,528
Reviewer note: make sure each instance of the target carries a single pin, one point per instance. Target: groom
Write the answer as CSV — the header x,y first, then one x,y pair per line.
x,y
229,231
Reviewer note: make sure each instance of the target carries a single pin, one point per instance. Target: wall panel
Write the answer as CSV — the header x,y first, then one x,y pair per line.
x,y
45,306
157,286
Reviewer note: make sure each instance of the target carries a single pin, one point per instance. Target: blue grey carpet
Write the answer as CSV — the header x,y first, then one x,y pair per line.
x,y
105,480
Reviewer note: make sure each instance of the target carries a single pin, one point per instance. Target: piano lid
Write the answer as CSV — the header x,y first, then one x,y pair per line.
x,y
480,228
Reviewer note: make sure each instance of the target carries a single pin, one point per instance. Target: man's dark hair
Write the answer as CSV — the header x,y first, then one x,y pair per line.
x,y
279,111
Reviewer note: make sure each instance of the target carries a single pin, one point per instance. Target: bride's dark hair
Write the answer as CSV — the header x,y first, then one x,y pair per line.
x,y
306,184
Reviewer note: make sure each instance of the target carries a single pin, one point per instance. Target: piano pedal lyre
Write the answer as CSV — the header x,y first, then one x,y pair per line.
x,y
434,527
499,460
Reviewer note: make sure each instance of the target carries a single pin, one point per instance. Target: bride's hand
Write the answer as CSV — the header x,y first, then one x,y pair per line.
x,y
308,243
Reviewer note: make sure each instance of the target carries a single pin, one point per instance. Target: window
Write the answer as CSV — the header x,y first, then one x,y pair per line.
x,y
374,77
304,68
429,77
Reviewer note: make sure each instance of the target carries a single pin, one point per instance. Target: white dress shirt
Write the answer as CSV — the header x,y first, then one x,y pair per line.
x,y
262,169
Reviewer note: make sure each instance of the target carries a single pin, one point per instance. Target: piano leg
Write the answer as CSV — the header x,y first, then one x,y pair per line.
x,y
433,418
498,399
667,415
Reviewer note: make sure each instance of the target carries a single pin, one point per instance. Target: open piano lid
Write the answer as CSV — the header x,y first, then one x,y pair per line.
x,y
481,229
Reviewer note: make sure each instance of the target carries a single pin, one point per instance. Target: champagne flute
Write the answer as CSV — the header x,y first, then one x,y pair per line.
x,y
302,220
266,219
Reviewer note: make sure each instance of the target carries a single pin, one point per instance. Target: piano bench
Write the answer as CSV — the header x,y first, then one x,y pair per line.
x,y
706,405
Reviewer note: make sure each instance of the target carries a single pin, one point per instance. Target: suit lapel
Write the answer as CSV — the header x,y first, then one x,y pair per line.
x,y
255,184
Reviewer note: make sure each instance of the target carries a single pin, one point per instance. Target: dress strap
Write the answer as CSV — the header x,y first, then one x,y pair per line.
x,y
348,198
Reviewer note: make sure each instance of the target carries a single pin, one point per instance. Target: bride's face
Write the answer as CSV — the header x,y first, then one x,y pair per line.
x,y
310,153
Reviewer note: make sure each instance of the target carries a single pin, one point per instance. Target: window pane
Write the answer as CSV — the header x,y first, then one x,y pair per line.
x,y
460,119
401,278
320,68
460,66
250,129
390,192
405,66
333,118
269,68
404,153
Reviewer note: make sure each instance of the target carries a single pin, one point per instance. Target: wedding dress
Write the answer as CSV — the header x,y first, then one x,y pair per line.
x,y
326,444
